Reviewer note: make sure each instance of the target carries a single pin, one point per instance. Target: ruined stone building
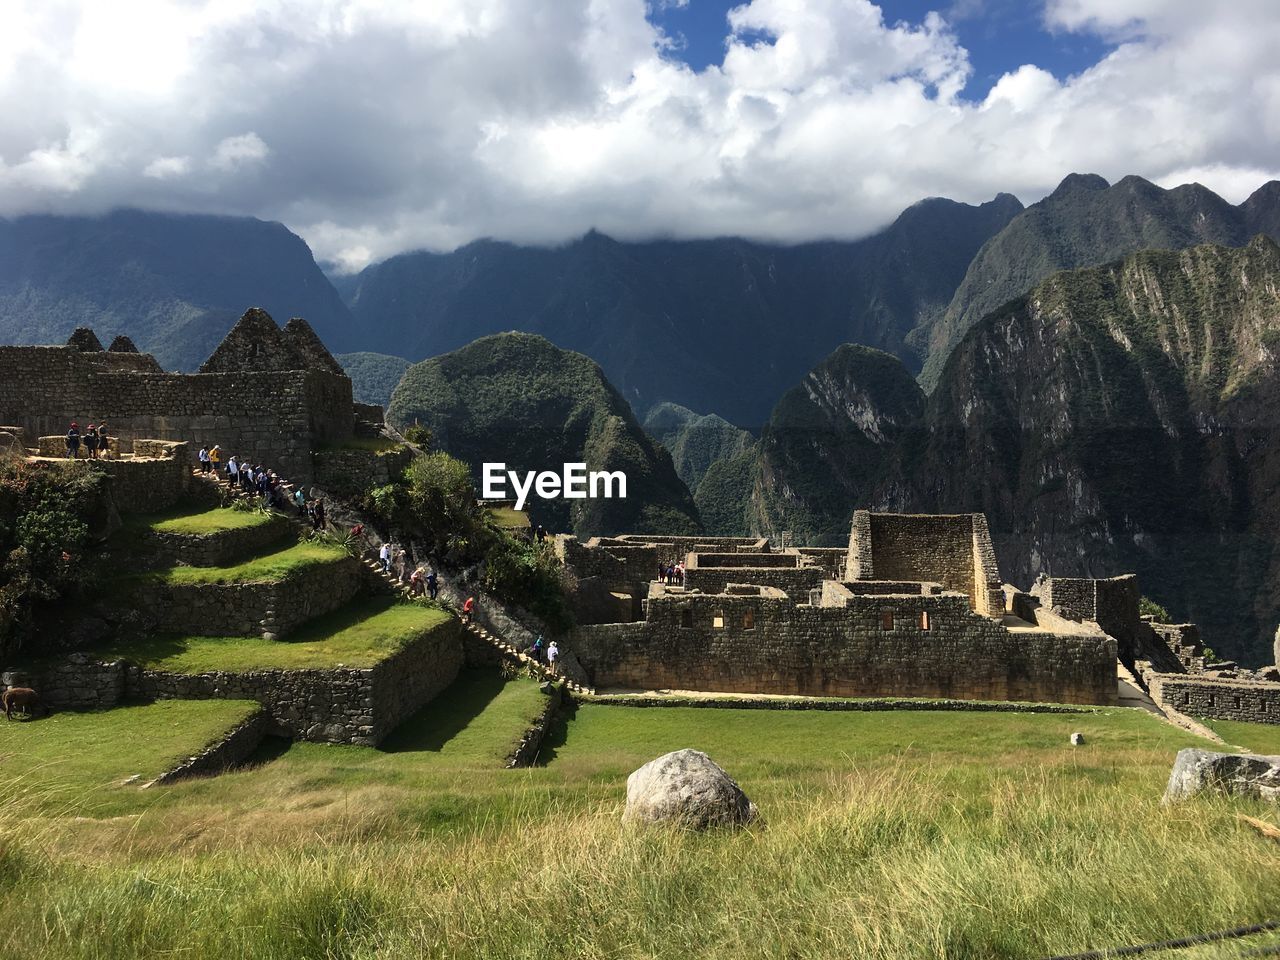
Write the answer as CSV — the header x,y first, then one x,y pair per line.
x,y
914,607
268,393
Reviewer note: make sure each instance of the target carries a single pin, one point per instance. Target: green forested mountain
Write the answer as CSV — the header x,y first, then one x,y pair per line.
x,y
173,283
373,375
718,325
1086,222
695,441
519,399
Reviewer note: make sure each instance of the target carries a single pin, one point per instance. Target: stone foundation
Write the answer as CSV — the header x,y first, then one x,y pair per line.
x,y
215,549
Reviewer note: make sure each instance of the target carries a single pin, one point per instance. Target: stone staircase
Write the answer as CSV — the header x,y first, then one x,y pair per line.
x,y
504,647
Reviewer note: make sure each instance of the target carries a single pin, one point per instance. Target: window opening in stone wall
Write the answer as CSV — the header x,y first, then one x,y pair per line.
x,y
749,620
686,618
924,619
1236,702
886,619
718,621
1213,700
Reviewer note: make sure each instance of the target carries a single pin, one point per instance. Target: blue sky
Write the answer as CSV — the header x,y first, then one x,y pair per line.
x,y
1000,35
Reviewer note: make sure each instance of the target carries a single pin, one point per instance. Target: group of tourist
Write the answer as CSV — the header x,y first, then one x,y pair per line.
x,y
399,562
671,573
265,483
94,440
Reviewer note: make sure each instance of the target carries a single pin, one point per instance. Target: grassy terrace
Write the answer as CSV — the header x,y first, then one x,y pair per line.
x,y
267,568
885,835
80,758
204,522
358,635
509,517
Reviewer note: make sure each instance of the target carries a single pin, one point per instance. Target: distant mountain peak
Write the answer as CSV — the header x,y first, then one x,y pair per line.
x,y
1079,181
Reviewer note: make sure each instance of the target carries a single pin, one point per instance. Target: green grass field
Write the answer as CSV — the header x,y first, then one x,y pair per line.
x,y
883,835
77,758
270,567
1261,738
359,635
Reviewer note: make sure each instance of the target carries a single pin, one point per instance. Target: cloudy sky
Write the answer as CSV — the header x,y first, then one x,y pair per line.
x,y
371,128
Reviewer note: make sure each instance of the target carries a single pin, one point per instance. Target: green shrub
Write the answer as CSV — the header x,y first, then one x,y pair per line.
x,y
1149,608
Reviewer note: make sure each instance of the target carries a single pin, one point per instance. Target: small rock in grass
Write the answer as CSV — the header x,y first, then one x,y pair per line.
x,y
686,788
1077,739
1233,774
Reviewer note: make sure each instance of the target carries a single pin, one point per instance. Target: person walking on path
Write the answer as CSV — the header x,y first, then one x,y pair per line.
x,y
73,441
317,515
433,583
233,471
300,501
104,442
416,586
203,457
91,442
469,610
553,658
536,650
384,554
215,459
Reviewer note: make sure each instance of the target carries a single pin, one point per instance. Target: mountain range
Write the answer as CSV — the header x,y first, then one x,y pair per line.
x,y
173,283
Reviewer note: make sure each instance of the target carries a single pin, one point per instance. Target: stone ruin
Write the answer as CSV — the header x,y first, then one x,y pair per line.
x,y
271,394
913,607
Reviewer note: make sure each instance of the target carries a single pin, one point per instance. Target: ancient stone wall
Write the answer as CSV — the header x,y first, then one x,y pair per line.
x,y
271,417
247,609
229,751
1111,603
76,682
830,559
349,473
795,581
954,550
162,548
872,646
1216,698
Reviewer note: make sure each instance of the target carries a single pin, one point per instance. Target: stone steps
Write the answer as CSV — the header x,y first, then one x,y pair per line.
x,y
505,647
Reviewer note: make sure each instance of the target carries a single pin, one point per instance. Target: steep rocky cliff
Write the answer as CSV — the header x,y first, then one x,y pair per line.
x,y
1086,222
823,450
1124,417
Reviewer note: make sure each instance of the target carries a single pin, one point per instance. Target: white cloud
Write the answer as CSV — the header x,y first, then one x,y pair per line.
x,y
233,152
161,168
375,127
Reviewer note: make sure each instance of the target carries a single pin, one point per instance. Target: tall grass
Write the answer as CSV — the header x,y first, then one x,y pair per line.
x,y
888,866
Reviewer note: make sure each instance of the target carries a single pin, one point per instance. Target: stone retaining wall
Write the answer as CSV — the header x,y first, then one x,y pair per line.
x,y
350,472
1252,701
526,751
77,682
248,609
215,549
231,751
338,705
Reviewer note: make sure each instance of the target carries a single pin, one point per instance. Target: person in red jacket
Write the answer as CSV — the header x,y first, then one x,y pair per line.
x,y
468,609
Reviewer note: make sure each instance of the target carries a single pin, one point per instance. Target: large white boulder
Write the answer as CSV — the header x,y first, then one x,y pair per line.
x,y
1234,774
686,788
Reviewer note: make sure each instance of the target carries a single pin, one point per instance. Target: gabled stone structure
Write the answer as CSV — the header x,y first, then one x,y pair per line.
x,y
122,344
264,395
84,340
